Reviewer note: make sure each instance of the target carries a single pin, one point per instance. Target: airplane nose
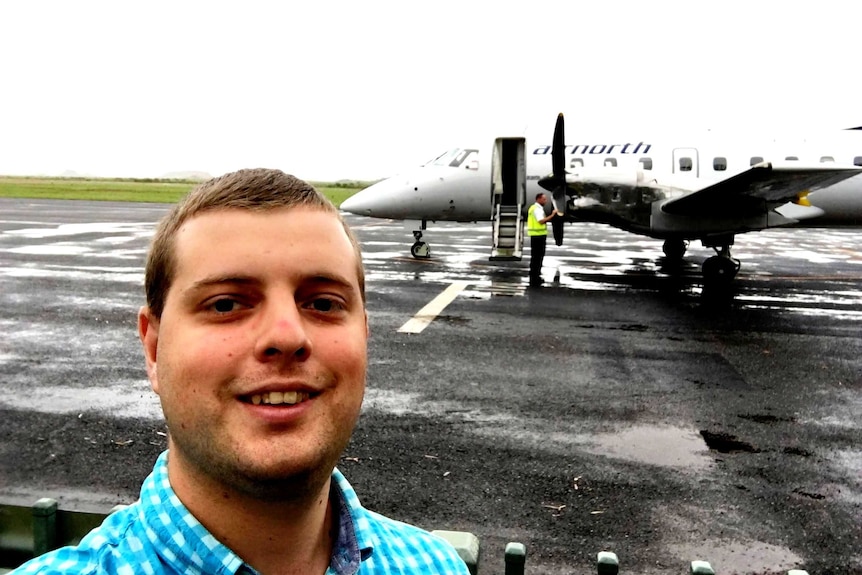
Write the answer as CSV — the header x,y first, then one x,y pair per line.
x,y
359,203
377,200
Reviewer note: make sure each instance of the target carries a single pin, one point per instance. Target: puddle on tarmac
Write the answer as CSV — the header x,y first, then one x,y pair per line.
x,y
134,229
51,249
837,409
392,402
665,446
75,274
132,399
718,534
844,315
661,445
739,557
405,403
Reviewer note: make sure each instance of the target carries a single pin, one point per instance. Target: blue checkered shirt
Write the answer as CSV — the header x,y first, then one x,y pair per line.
x,y
157,534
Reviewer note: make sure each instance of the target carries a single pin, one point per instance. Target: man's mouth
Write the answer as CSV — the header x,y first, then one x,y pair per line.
x,y
279,398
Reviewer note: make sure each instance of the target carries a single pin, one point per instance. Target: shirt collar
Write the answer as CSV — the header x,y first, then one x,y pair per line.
x,y
353,518
176,534
188,545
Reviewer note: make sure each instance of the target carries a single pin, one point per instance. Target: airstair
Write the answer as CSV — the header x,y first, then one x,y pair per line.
x,y
508,195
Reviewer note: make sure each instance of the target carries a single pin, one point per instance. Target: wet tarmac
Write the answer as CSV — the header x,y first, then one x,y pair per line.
x,y
681,424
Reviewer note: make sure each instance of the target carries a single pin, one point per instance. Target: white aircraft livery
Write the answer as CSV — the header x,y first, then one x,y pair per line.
x,y
707,188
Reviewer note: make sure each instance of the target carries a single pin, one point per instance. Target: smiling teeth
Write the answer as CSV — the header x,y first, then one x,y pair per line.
x,y
279,398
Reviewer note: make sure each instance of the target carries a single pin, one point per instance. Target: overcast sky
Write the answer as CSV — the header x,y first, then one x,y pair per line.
x,y
364,89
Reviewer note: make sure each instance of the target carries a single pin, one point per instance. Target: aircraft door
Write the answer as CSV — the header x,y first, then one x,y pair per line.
x,y
508,195
686,162
508,173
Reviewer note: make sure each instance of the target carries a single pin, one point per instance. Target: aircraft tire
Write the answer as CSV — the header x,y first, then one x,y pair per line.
x,y
719,270
420,250
674,249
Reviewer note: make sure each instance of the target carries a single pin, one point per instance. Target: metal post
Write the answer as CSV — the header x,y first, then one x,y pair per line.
x,y
516,557
607,563
44,526
701,568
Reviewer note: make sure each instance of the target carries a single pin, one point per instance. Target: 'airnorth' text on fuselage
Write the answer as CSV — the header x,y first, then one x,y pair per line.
x,y
584,149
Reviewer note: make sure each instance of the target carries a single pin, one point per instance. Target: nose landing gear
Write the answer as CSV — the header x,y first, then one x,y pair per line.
x,y
420,249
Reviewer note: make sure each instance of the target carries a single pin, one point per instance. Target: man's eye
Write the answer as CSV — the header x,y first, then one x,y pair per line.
x,y
224,305
324,305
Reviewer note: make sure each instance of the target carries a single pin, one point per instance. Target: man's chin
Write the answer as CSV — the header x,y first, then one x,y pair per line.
x,y
271,480
275,479
280,484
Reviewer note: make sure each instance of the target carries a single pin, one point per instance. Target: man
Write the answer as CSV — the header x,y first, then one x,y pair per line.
x,y
254,336
537,229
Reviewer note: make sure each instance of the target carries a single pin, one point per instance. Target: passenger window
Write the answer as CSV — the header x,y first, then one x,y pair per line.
x,y
685,164
756,160
610,162
646,163
719,164
857,161
576,163
792,158
827,159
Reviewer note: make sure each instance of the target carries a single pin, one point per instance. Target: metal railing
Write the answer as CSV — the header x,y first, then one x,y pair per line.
x,y
30,531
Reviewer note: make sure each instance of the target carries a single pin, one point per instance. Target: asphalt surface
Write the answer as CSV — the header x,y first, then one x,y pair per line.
x,y
618,408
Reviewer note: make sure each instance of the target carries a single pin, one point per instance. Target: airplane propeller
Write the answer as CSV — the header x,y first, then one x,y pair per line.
x,y
556,182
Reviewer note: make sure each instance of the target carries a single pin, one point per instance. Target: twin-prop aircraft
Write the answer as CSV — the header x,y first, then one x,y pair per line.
x,y
706,189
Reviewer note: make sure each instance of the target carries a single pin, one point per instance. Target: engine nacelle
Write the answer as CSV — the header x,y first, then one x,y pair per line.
x,y
607,177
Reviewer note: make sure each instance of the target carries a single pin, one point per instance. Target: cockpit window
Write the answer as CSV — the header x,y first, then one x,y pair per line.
x,y
456,158
442,159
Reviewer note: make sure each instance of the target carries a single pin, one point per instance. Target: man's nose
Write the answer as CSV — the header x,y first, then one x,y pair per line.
x,y
283,333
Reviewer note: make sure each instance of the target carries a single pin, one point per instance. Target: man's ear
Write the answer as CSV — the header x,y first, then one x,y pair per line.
x,y
148,331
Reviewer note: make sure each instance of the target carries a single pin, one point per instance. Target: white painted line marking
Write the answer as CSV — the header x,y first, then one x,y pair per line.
x,y
427,314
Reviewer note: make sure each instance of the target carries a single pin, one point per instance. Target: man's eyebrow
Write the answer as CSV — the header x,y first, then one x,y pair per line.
x,y
211,281
236,279
331,278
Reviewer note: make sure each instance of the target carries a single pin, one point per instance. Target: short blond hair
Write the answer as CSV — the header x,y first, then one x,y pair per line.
x,y
254,190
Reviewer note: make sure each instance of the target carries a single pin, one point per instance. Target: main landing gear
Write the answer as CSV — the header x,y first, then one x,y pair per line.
x,y
674,249
718,270
721,268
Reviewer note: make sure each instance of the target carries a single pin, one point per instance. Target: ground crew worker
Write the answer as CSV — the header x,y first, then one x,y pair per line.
x,y
537,229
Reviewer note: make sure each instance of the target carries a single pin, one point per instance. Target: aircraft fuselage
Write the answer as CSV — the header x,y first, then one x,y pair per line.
x,y
460,190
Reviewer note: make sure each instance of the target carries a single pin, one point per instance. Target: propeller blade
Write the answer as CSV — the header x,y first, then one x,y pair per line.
x,y
557,179
558,166
558,151
557,226
559,199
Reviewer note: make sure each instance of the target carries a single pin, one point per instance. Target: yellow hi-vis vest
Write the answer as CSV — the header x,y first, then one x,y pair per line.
x,y
534,228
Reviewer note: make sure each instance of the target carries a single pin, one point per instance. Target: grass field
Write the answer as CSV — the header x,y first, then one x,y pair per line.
x,y
132,190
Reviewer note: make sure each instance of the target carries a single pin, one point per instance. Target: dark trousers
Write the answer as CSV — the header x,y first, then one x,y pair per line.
x,y
537,254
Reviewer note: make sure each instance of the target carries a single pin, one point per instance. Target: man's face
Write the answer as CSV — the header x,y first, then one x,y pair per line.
x,y
542,200
259,357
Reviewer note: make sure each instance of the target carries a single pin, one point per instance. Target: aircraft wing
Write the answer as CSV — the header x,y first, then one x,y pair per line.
x,y
763,184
